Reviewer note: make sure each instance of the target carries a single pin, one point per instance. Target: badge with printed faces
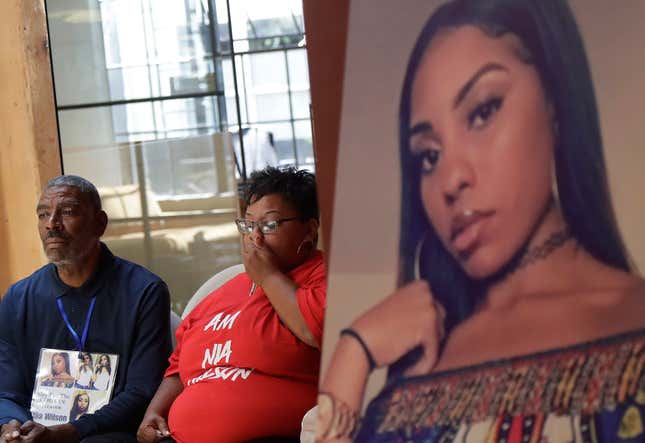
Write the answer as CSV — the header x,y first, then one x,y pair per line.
x,y
70,384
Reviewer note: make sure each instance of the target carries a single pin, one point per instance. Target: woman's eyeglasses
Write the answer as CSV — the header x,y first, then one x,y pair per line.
x,y
246,227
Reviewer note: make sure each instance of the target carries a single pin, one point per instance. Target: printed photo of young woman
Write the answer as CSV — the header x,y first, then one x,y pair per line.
x,y
486,287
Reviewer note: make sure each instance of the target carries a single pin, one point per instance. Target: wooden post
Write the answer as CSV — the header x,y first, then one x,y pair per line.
x,y
29,149
326,30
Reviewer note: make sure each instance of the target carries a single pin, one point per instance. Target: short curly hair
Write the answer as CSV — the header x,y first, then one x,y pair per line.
x,y
296,187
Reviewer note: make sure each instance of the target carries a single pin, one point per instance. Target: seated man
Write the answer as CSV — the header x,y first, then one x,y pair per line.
x,y
85,301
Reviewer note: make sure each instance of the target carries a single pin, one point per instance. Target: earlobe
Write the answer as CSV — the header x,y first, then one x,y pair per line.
x,y
311,238
314,226
102,221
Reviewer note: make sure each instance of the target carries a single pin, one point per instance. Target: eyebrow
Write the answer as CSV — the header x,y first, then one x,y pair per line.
x,y
270,211
419,128
65,202
465,89
70,202
426,126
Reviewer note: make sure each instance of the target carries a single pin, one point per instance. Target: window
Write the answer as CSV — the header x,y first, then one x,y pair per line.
x,y
148,104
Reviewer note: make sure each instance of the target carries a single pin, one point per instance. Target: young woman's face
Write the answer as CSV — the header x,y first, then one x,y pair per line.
x,y
83,402
58,364
482,131
104,360
86,359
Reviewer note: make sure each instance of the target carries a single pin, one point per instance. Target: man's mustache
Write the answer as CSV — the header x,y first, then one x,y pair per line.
x,y
56,234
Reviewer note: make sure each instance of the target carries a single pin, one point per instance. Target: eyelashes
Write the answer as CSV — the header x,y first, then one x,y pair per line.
x,y
427,158
483,112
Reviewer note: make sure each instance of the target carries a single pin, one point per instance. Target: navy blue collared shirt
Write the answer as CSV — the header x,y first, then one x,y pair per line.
x,y
130,318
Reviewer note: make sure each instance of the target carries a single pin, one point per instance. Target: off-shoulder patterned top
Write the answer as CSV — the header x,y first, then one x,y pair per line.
x,y
590,392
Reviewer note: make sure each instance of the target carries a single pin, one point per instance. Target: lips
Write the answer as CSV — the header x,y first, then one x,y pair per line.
x,y
54,237
55,242
465,229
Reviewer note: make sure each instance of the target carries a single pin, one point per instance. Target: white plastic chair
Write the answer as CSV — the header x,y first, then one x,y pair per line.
x,y
174,324
210,285
308,426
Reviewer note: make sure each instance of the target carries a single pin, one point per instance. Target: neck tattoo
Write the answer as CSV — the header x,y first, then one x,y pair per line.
x,y
540,252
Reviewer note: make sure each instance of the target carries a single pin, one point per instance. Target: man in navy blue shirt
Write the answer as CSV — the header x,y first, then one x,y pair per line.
x,y
125,307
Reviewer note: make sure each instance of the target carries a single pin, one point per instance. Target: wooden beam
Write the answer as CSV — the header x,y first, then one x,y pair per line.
x,y
29,149
326,30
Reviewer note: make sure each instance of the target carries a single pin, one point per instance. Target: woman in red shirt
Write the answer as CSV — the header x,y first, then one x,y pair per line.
x,y
246,362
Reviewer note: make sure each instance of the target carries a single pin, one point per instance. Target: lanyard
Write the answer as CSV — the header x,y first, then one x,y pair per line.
x,y
80,342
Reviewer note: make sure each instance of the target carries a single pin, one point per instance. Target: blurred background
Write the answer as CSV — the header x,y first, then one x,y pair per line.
x,y
167,106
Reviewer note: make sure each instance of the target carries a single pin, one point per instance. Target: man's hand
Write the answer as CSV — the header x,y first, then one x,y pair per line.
x,y
32,432
10,431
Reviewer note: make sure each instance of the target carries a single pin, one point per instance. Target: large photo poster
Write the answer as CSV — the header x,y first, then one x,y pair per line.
x,y
484,278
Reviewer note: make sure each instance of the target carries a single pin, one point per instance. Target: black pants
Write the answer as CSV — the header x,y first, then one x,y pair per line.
x,y
111,437
275,440
121,437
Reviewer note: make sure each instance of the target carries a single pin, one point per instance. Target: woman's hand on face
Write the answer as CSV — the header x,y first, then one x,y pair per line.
x,y
152,429
259,260
406,319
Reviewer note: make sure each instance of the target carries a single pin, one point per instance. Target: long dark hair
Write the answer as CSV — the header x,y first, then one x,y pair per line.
x,y
83,367
108,366
75,409
550,36
65,358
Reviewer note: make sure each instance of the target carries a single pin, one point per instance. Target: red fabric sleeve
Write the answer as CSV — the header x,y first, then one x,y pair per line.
x,y
312,301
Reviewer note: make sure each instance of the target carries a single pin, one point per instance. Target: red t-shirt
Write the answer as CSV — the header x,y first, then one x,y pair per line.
x,y
245,374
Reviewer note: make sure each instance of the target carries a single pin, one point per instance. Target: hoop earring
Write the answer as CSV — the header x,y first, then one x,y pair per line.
x,y
554,186
417,256
302,243
554,175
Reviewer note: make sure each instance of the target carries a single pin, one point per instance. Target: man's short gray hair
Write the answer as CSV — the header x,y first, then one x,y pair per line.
x,y
83,185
